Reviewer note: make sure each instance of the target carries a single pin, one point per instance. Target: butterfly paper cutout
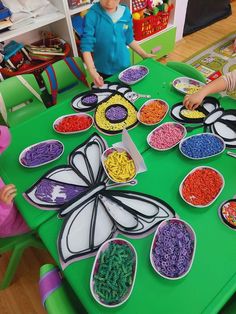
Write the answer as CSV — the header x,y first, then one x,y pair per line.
x,y
217,120
103,93
113,97
92,211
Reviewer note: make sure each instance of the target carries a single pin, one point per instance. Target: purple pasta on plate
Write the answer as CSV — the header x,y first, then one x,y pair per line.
x,y
41,153
173,249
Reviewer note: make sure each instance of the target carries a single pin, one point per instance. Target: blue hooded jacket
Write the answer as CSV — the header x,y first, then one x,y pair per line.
x,y
107,40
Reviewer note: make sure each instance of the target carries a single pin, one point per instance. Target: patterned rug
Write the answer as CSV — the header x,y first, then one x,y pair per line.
x,y
216,60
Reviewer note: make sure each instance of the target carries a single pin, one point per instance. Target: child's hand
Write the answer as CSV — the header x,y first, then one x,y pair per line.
x,y
97,78
191,102
149,55
7,193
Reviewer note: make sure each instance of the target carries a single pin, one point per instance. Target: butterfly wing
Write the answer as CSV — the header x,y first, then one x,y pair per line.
x,y
102,216
79,105
85,230
135,213
55,188
86,158
225,127
63,184
209,104
87,162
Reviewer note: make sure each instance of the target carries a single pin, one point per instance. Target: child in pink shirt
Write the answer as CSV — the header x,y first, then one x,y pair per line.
x,y
11,222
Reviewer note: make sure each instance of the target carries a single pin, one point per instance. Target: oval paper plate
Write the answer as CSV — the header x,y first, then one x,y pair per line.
x,y
133,74
186,85
80,121
202,146
193,196
158,113
162,257
106,278
118,166
227,213
159,141
41,153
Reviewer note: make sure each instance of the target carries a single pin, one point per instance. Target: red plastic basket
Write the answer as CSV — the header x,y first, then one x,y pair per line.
x,y
150,25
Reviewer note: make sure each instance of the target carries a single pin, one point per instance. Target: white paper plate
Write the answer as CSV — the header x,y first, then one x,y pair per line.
x,y
104,157
184,131
95,266
196,136
38,156
223,217
134,68
58,120
187,85
164,103
201,167
158,230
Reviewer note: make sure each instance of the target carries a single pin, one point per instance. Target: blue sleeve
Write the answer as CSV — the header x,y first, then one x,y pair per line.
x,y
88,36
129,32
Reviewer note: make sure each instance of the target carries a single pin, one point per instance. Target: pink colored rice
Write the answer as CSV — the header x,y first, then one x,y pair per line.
x,y
166,136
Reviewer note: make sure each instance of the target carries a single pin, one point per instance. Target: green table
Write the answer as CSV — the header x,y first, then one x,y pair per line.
x,y
212,279
40,129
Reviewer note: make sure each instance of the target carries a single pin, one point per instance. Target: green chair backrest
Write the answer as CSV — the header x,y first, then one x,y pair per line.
x,y
187,70
65,79
20,103
16,245
230,306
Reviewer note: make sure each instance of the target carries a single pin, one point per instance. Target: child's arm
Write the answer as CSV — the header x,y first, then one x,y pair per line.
x,y
191,102
97,79
143,54
7,193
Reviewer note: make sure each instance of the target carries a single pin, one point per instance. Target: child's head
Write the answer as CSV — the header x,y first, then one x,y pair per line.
x,y
109,5
5,138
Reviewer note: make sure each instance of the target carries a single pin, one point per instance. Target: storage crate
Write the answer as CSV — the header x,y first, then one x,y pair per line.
x,y
150,25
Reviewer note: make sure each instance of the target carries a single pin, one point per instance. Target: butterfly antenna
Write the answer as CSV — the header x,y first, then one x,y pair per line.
x,y
114,185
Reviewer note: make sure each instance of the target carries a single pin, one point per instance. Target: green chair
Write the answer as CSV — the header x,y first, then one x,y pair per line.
x,y
230,306
65,79
56,295
187,70
16,245
20,99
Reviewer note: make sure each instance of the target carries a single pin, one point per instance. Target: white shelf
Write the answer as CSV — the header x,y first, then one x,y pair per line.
x,y
37,23
60,23
81,8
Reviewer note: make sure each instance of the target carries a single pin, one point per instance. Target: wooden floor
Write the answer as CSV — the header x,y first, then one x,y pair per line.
x,y
22,297
190,44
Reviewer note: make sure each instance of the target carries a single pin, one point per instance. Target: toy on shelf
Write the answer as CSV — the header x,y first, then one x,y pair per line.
x,y
150,17
5,15
138,5
73,4
1,52
47,48
15,56
35,58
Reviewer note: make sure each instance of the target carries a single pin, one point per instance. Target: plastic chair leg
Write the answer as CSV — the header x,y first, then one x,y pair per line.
x,y
11,268
17,252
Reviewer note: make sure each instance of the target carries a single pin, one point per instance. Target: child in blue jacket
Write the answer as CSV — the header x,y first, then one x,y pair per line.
x,y
108,30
